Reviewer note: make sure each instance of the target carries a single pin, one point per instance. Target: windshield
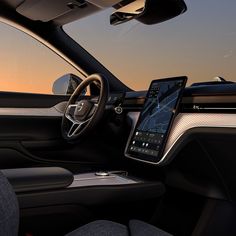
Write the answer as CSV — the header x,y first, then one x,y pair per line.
x,y
201,44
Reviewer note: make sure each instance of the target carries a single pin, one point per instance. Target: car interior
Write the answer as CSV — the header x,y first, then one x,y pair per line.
x,y
96,157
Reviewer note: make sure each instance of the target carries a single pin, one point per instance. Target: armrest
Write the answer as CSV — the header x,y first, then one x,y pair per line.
x,y
35,179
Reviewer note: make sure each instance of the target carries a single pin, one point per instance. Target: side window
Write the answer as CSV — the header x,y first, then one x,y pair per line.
x,y
27,65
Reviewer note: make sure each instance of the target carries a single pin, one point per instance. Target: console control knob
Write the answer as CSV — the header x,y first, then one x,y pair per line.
x,y
118,109
102,173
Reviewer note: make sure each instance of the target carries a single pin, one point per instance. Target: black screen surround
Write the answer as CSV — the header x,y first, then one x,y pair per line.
x,y
148,139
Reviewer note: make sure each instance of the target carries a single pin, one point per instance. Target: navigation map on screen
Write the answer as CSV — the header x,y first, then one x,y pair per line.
x,y
155,119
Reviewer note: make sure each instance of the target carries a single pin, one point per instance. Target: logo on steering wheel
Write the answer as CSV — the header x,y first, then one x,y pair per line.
x,y
80,106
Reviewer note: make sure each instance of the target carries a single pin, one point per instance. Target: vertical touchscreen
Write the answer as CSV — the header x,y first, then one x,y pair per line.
x,y
148,139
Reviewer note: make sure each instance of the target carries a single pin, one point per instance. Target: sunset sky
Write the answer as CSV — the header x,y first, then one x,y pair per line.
x,y
26,64
200,44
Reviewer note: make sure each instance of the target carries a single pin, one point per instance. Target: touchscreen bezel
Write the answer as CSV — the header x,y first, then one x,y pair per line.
x,y
159,158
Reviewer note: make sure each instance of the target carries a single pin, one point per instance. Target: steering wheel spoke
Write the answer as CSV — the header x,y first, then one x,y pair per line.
x,y
75,127
69,112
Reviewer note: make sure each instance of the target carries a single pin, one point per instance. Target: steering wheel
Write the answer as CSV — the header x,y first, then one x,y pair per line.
x,y
81,117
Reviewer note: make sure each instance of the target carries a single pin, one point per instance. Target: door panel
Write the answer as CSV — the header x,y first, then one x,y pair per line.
x,y
30,100
30,127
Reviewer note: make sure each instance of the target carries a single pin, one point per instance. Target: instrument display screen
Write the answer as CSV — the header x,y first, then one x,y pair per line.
x,y
149,137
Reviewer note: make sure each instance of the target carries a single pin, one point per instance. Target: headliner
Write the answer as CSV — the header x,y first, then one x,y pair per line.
x,y
58,11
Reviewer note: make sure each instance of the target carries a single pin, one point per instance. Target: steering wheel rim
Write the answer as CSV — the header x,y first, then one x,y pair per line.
x,y
81,117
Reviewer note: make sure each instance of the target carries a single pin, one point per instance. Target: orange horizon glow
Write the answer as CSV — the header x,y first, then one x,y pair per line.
x,y
27,65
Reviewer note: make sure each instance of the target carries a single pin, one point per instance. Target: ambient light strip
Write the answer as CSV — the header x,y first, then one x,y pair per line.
x,y
186,121
37,112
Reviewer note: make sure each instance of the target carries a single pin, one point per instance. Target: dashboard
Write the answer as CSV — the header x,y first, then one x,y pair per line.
x,y
205,107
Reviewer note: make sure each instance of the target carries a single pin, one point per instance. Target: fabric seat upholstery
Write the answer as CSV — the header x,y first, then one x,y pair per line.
x,y
140,228
101,228
9,209
108,228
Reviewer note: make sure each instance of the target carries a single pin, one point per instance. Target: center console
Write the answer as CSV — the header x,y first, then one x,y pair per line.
x,y
48,186
112,178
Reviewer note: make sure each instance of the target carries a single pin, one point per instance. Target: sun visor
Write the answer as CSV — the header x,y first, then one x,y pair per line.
x,y
62,11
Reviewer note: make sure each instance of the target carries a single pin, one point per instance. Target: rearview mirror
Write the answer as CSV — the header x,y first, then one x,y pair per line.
x,y
147,11
66,84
